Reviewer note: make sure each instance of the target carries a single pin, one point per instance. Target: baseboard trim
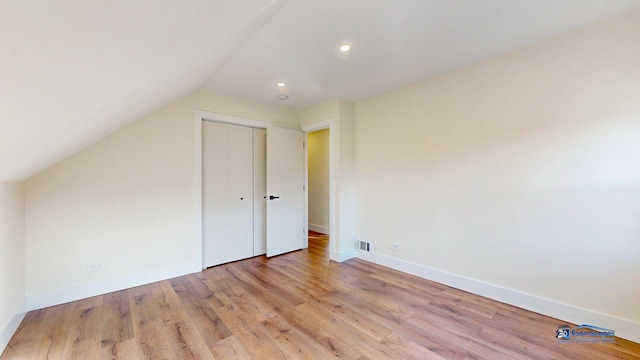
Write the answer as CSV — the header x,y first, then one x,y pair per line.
x,y
624,328
83,291
341,256
319,228
10,328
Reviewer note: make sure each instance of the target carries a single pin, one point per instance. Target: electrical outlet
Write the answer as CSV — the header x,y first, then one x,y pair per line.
x,y
96,267
395,246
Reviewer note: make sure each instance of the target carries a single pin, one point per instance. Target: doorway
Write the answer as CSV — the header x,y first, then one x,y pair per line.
x,y
320,184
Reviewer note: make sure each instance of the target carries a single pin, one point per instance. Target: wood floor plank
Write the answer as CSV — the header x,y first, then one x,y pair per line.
x,y
198,310
117,325
625,346
302,275
234,276
36,338
409,282
250,308
379,289
248,335
49,339
295,344
188,342
454,317
306,289
59,327
221,292
127,349
459,337
152,341
517,347
404,348
89,302
360,320
230,349
387,312
172,310
86,333
298,305
144,307
323,329
273,283
467,304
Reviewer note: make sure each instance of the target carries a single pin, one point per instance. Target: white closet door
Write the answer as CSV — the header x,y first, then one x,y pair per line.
x,y
285,181
227,187
259,192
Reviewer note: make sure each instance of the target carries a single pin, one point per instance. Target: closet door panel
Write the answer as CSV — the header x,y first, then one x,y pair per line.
x,y
227,189
240,241
215,161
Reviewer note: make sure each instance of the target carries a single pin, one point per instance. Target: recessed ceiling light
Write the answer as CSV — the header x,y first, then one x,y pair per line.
x,y
281,84
345,47
283,97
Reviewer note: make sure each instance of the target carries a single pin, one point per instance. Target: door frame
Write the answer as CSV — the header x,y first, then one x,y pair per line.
x,y
322,125
198,117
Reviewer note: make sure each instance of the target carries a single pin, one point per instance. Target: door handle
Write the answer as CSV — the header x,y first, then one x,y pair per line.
x,y
271,197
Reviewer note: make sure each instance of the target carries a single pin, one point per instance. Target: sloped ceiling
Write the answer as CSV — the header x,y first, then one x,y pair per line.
x,y
74,71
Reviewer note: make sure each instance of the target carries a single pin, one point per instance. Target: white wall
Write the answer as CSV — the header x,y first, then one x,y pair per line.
x,y
346,186
329,110
318,155
126,201
12,259
521,172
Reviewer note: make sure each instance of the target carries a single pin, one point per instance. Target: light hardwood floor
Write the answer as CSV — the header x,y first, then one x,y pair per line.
x,y
298,305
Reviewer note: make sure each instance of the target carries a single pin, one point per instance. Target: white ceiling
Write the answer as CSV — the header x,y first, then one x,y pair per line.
x,y
75,71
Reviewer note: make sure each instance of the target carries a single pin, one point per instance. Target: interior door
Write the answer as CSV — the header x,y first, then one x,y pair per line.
x,y
227,186
285,191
